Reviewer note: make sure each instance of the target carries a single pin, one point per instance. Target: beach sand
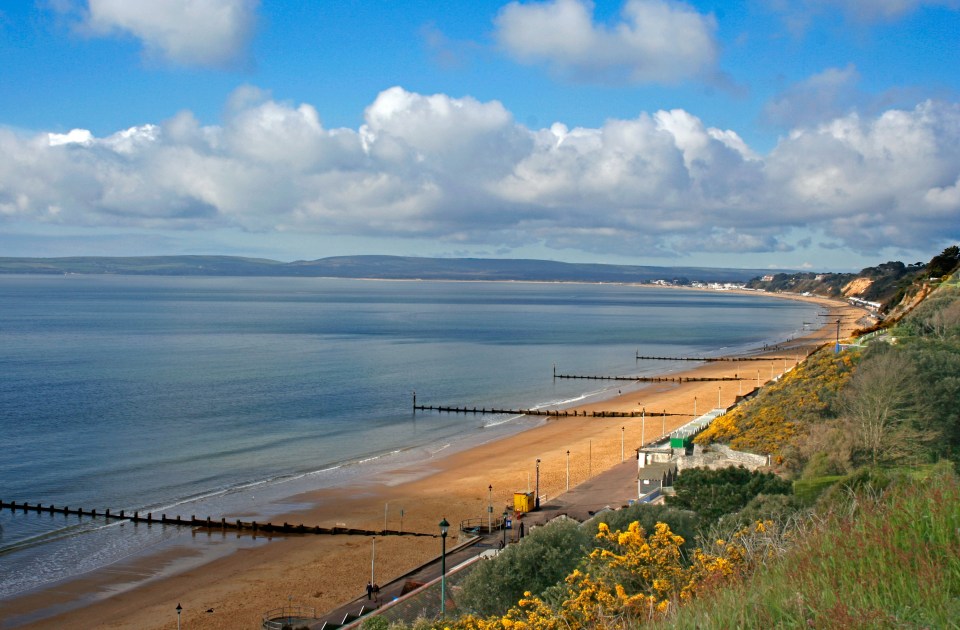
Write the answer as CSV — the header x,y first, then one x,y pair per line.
x,y
325,571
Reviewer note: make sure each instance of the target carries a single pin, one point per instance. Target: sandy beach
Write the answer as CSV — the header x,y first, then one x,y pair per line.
x,y
324,571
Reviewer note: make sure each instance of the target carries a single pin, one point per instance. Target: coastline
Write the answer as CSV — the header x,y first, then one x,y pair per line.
x,y
325,571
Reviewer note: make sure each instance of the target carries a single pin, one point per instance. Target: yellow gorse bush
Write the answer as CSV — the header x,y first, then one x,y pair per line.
x,y
631,578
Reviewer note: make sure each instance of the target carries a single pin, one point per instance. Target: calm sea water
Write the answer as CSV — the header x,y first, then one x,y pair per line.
x,y
221,396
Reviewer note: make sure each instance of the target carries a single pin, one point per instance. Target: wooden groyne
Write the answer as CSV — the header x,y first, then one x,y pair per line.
x,y
709,359
555,413
207,523
653,379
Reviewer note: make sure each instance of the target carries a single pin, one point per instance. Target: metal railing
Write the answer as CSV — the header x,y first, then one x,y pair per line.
x,y
479,525
277,618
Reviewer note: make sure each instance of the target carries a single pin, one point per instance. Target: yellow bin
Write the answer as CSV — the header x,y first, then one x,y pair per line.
x,y
523,502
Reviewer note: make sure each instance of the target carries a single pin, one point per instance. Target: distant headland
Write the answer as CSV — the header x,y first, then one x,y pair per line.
x,y
377,267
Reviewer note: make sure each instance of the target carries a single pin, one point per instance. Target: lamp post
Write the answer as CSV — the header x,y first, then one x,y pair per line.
x,y
622,430
444,526
643,427
536,498
719,388
373,559
179,609
568,471
663,423
694,406
489,508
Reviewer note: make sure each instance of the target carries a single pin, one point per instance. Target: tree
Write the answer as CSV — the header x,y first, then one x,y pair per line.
x,y
945,262
880,404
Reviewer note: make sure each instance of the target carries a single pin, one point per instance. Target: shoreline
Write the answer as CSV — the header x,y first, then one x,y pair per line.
x,y
452,485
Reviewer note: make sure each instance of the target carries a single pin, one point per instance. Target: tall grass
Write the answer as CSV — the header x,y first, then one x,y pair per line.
x,y
876,560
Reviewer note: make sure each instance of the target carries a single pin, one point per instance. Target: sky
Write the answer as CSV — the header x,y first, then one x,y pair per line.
x,y
769,134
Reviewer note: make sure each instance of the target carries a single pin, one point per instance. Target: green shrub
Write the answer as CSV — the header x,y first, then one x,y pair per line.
x,y
542,558
713,493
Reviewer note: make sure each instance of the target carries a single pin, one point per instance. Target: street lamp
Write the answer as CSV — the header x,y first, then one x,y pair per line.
x,y
503,525
536,498
568,471
489,508
179,609
622,429
444,526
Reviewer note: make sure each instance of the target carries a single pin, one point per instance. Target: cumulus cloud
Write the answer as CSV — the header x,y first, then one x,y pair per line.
x,y
655,41
465,172
210,33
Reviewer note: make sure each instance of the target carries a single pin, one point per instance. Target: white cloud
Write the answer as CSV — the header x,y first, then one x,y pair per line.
x,y
188,32
463,171
655,41
74,136
869,181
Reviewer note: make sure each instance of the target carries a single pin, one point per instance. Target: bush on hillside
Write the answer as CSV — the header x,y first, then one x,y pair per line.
x,y
713,493
682,522
543,558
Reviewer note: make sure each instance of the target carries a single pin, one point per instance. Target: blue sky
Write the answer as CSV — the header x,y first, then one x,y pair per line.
x,y
771,134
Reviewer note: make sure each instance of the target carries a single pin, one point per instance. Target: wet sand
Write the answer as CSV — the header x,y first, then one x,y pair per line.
x,y
325,571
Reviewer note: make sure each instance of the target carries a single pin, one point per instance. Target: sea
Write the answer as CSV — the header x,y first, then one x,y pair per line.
x,y
226,396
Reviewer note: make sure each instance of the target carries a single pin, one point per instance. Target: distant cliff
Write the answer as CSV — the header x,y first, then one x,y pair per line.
x,y
887,285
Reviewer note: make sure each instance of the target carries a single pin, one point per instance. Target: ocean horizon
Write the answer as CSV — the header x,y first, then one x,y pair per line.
x,y
227,396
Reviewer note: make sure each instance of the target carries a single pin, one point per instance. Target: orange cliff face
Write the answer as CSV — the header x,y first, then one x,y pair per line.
x,y
856,287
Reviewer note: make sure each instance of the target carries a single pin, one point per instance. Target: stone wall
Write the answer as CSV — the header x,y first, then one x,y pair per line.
x,y
720,456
